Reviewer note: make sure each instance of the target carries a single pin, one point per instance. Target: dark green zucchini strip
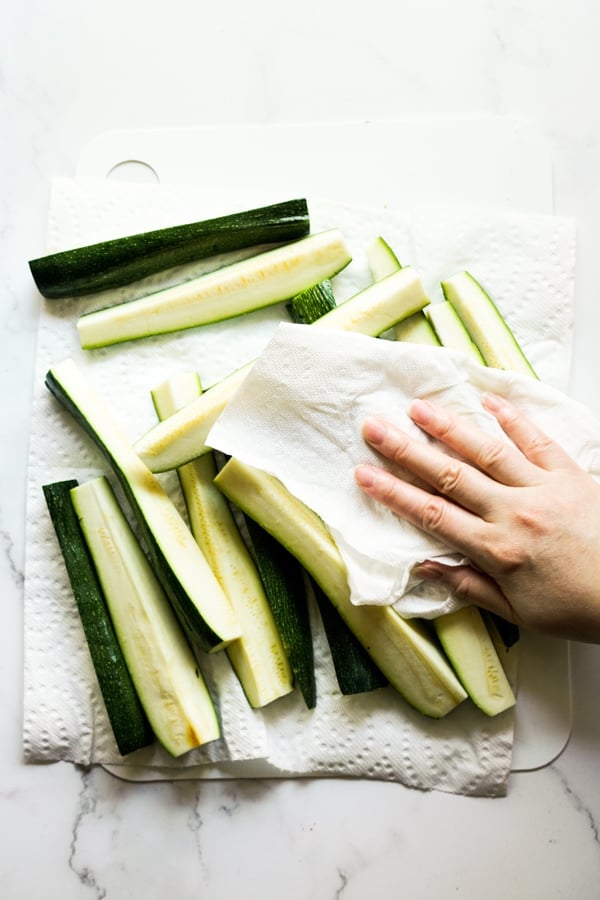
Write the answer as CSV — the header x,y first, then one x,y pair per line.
x,y
312,303
355,671
508,632
127,718
283,580
121,261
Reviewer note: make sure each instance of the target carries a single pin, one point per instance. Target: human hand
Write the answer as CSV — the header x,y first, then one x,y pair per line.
x,y
525,515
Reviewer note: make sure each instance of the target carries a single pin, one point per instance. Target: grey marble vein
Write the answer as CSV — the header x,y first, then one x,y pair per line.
x,y
87,801
578,803
8,546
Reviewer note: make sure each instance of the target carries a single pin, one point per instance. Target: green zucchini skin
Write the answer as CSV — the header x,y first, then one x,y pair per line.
x,y
283,580
127,718
201,636
312,303
121,261
355,671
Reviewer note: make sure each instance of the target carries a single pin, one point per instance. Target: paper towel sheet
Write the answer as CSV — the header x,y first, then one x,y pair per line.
x,y
371,736
311,389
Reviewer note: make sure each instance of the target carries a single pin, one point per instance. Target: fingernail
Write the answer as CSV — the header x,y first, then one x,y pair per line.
x,y
374,431
364,476
493,402
428,571
421,412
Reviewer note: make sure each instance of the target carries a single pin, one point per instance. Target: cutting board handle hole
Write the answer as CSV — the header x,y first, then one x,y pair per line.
x,y
133,170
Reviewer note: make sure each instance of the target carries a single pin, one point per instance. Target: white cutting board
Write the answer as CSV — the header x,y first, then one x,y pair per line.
x,y
472,162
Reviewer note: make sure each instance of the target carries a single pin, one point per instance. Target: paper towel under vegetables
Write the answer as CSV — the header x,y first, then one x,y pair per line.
x,y
372,735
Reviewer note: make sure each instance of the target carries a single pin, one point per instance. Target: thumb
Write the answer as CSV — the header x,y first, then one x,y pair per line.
x,y
469,585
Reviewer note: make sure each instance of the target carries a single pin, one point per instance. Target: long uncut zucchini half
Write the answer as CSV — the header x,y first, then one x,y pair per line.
x,y
402,649
254,283
258,657
158,656
114,263
372,311
486,325
186,577
128,721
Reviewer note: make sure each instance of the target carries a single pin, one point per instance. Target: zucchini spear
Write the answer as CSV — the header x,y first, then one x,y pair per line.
x,y
160,660
114,263
258,657
126,715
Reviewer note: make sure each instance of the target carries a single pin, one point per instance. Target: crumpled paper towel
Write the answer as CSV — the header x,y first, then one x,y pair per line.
x,y
299,414
374,735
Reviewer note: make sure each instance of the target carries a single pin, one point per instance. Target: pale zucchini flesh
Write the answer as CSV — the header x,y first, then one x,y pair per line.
x,y
402,650
258,657
417,329
381,259
471,650
253,283
162,665
177,560
379,306
371,312
486,325
450,330
182,437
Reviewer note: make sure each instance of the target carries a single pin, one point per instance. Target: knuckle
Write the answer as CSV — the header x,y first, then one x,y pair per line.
x,y
532,521
433,514
490,454
462,588
507,554
449,477
444,428
538,444
400,449
510,418
387,493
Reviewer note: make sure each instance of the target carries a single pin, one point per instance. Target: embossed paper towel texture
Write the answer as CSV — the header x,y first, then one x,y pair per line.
x,y
373,736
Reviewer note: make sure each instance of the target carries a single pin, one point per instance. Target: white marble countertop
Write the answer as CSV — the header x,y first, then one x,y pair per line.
x,y
70,71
